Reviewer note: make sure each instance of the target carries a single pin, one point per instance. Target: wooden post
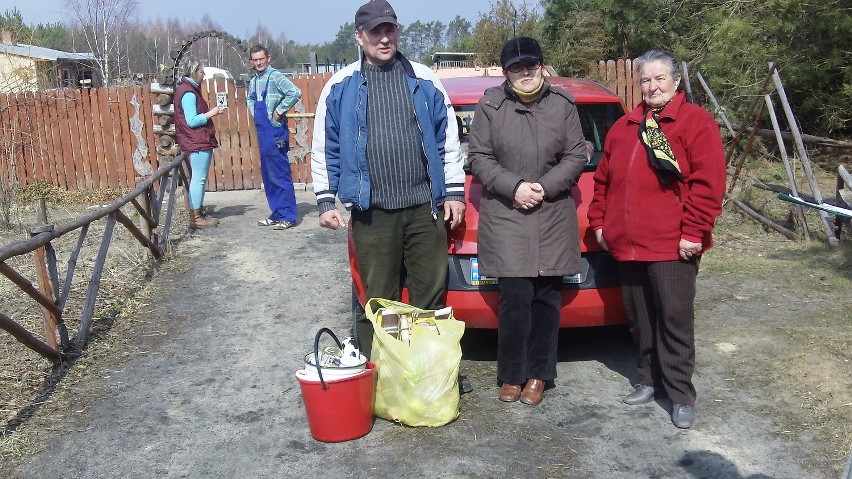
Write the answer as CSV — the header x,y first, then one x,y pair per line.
x,y
170,207
72,264
746,151
50,317
751,107
142,205
800,211
686,83
846,178
759,217
843,196
803,156
94,284
715,102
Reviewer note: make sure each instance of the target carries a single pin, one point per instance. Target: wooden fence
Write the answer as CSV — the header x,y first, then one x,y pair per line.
x,y
154,199
77,139
621,77
88,139
84,139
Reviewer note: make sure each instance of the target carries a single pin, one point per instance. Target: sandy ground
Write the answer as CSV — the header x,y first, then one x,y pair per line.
x,y
211,391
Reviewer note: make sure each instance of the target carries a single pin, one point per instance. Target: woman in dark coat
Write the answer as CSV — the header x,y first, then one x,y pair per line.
x,y
527,149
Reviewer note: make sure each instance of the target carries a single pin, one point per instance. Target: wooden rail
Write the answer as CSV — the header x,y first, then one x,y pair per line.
x,y
51,295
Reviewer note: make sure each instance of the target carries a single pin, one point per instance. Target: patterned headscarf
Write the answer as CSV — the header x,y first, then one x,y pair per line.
x,y
658,148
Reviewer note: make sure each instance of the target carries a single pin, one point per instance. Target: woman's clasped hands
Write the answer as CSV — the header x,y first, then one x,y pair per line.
x,y
528,196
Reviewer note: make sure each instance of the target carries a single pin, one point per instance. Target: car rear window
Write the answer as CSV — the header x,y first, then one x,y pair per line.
x,y
595,119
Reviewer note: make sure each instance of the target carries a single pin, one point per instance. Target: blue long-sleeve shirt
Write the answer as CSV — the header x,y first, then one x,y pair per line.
x,y
193,118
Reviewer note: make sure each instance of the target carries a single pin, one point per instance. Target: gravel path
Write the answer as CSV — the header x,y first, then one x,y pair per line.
x,y
213,395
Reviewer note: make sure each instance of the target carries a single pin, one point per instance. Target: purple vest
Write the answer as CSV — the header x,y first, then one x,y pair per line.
x,y
193,139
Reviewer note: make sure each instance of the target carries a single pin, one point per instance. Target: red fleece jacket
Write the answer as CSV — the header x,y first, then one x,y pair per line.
x,y
643,219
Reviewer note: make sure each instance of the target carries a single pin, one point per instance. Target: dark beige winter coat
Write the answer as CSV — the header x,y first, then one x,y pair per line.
x,y
511,143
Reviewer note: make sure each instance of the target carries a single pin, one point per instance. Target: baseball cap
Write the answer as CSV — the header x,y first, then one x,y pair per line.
x,y
374,12
521,49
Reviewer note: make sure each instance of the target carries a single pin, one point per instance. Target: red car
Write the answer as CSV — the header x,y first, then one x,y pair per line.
x,y
590,298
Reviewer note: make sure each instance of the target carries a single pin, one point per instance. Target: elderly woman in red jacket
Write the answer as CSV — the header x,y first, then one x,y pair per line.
x,y
658,191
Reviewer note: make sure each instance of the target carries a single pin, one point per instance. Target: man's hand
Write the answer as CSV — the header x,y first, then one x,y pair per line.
x,y
454,213
332,219
277,116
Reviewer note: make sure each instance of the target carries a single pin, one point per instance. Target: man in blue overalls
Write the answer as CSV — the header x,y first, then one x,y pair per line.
x,y
271,94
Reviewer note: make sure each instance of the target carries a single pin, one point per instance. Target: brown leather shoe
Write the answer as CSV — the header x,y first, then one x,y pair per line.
x,y
199,220
509,392
533,392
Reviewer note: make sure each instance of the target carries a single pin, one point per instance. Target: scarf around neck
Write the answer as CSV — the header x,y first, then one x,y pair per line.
x,y
657,147
528,98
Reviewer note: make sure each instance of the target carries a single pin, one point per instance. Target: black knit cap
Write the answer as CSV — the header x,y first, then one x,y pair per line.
x,y
374,13
521,49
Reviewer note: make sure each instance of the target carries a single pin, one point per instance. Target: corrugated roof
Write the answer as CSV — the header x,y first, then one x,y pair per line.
x,y
41,53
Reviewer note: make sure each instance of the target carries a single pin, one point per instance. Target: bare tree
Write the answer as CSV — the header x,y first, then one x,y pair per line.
x,y
103,22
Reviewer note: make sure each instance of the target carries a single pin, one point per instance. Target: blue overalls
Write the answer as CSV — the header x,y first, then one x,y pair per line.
x,y
274,142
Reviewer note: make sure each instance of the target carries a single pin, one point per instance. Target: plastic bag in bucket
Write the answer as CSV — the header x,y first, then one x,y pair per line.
x,y
338,409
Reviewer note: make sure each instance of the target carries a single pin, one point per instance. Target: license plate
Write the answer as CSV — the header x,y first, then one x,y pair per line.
x,y
475,277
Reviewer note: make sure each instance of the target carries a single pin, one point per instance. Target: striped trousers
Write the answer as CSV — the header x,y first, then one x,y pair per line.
x,y
659,301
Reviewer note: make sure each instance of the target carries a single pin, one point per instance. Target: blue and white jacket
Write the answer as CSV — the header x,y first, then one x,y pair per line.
x,y
339,152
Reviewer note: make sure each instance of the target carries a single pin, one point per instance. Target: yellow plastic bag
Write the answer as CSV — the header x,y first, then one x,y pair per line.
x,y
417,380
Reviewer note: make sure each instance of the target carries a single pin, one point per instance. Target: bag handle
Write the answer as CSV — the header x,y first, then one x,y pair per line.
x,y
373,306
316,352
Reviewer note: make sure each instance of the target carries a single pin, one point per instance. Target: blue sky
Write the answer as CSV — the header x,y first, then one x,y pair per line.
x,y
302,21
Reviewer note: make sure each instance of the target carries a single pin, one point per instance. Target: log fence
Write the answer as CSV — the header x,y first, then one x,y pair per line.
x,y
153,199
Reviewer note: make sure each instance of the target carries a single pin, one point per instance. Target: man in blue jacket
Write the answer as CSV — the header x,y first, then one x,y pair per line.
x,y
386,143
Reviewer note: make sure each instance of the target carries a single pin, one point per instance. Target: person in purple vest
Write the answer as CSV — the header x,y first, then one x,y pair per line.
x,y
195,135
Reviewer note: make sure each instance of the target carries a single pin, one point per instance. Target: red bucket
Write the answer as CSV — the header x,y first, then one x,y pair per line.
x,y
344,409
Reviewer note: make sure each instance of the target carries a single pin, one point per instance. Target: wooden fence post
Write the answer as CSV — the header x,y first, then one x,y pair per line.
x,y
687,83
791,179
803,155
43,278
715,102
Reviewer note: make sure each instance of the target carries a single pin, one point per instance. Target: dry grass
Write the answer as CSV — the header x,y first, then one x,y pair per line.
x,y
34,393
817,365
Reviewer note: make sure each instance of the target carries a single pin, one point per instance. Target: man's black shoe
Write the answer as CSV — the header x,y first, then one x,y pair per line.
x,y
464,385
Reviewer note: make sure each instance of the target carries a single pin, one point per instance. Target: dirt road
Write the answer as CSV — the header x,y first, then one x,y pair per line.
x,y
209,390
